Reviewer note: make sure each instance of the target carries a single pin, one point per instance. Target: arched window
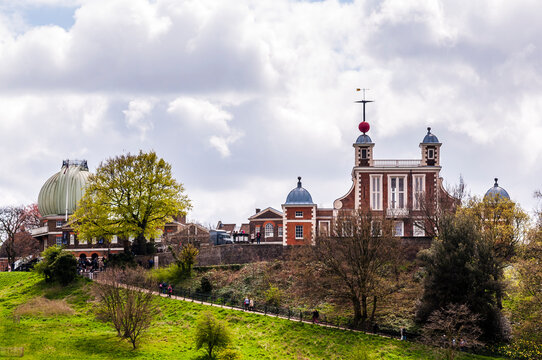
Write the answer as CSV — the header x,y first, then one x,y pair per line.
x,y
268,230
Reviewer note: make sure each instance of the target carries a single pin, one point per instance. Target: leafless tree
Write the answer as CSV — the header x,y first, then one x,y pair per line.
x,y
454,328
355,263
15,221
125,299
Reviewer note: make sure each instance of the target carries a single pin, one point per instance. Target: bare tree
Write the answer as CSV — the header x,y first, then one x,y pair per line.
x,y
454,327
126,301
15,221
356,262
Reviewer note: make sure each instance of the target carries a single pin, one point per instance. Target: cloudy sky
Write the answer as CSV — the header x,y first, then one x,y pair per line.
x,y
241,97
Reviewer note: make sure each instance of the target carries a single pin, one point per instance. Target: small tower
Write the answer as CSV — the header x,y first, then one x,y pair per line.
x,y
497,192
299,217
363,145
430,150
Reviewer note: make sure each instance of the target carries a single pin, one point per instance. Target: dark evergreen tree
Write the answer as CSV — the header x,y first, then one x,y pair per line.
x,y
458,271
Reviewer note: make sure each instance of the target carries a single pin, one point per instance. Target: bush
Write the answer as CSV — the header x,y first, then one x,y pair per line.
x,y
211,333
273,296
229,354
57,265
205,285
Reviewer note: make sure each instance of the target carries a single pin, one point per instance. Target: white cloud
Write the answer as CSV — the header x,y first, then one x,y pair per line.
x,y
137,116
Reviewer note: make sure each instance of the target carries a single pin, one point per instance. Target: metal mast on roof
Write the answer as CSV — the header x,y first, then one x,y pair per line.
x,y
363,102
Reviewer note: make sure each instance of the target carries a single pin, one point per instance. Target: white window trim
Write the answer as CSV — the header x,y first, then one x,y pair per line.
x,y
296,227
422,176
56,240
272,230
279,230
371,190
405,190
418,231
299,214
431,154
320,223
402,228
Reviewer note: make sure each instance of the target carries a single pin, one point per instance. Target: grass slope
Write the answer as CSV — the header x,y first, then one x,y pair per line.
x,y
80,336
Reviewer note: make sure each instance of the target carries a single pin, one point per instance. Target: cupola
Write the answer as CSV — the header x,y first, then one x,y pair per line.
x,y
430,147
299,196
497,191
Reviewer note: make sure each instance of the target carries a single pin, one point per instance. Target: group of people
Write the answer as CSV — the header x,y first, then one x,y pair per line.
x,y
95,264
248,304
258,238
165,288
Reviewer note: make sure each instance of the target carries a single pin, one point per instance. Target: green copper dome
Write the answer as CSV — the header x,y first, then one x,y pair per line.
x,y
70,181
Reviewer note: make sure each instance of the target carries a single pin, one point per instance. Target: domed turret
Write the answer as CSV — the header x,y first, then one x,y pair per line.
x,y
496,190
430,138
69,182
299,195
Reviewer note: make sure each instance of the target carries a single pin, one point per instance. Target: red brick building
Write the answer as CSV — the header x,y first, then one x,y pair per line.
x,y
398,189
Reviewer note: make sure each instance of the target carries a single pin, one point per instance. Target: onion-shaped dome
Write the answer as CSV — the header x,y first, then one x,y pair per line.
x,y
299,195
69,182
496,190
430,138
364,139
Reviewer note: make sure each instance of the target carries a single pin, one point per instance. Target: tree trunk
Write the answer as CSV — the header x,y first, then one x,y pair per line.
x,y
357,310
373,310
364,306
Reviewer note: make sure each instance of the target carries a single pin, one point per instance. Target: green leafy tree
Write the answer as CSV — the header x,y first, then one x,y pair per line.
x,y
502,225
458,270
130,196
57,265
211,333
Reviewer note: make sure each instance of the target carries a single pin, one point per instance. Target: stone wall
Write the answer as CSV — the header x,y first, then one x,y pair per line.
x,y
239,253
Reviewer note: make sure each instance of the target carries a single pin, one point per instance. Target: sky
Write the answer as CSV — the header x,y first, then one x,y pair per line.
x,y
241,97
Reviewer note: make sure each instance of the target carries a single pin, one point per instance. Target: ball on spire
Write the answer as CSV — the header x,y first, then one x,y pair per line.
x,y
364,126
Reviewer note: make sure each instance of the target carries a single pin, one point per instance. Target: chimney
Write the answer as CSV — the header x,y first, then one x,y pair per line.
x,y
257,210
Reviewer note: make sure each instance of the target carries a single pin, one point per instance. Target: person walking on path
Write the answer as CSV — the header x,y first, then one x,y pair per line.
x,y
315,316
246,303
169,291
251,305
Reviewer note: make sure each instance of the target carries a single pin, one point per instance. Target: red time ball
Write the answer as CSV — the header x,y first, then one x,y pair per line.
x,y
364,127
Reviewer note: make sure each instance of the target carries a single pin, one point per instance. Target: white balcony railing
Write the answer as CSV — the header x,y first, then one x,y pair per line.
x,y
39,231
397,212
396,163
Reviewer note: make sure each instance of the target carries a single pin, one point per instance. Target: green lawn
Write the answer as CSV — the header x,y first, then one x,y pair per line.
x,y
80,336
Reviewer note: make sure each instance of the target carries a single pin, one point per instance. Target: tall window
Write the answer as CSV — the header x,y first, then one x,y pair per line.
x,y
299,231
430,154
279,230
397,199
398,228
418,229
58,239
268,230
418,190
376,192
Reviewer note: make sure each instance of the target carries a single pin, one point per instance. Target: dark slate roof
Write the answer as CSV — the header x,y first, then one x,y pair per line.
x,y
496,190
430,138
364,139
299,195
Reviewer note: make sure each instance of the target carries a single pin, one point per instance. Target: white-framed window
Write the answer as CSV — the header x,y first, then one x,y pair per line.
x,y
279,230
398,228
376,192
59,223
430,154
418,189
418,228
94,241
397,198
82,241
299,231
299,214
268,230
72,239
376,228
364,153
257,230
324,228
114,239
58,239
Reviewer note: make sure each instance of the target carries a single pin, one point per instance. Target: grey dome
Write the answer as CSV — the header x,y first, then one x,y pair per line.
x,y
496,190
71,180
430,138
364,139
299,195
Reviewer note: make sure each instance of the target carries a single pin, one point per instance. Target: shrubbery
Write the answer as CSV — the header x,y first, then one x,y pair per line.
x,y
57,265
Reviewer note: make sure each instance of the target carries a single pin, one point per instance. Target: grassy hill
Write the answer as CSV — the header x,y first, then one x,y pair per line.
x,y
58,323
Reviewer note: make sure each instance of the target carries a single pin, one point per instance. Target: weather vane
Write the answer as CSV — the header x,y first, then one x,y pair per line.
x,y
363,102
